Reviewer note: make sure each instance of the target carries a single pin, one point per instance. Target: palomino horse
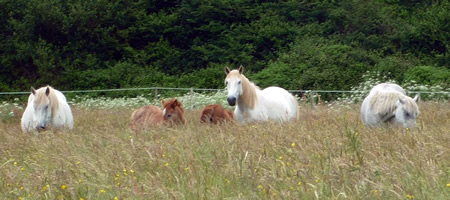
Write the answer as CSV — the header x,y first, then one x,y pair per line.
x,y
151,115
215,113
47,107
253,104
387,102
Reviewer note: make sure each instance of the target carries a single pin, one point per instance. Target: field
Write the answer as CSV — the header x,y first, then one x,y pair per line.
x,y
326,154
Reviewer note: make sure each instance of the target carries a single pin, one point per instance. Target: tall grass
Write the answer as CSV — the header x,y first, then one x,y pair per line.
x,y
327,154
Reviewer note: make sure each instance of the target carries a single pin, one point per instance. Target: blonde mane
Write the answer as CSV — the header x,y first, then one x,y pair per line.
x,y
52,99
384,103
248,96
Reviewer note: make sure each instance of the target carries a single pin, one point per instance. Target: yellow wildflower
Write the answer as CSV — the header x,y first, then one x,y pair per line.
x,y
15,163
81,198
80,181
299,183
132,171
63,187
408,196
45,188
260,186
167,164
102,191
281,158
22,169
116,198
448,184
293,144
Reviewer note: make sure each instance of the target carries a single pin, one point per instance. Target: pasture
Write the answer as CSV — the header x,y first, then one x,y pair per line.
x,y
326,154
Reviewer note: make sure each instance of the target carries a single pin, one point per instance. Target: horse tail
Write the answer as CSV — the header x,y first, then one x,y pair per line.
x,y
295,108
297,113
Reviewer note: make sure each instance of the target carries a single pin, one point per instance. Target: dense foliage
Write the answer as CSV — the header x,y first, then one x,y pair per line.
x,y
296,44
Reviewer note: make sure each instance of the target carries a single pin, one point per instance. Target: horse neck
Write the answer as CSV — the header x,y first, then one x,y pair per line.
x,y
384,102
249,95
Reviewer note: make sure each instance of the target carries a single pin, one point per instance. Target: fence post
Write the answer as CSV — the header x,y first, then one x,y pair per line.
x,y
311,95
156,93
192,97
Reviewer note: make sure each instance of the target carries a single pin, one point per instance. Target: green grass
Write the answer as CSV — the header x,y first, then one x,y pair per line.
x,y
327,154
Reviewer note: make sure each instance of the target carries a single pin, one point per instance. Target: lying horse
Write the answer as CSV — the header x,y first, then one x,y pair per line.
x,y
47,107
253,104
147,116
387,102
215,113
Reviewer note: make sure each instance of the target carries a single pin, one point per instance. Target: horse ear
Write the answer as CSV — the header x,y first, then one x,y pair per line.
x,y
417,98
176,103
241,69
401,100
47,91
162,102
33,90
227,70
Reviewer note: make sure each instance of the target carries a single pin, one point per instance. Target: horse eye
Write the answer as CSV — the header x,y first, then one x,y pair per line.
x,y
210,119
46,107
169,115
226,82
239,82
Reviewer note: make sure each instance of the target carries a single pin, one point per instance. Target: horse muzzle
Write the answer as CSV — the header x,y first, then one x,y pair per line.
x,y
40,128
231,101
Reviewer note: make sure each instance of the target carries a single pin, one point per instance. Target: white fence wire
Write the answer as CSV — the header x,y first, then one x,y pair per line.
x,y
205,89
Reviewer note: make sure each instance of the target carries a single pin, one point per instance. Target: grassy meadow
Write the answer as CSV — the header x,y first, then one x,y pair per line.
x,y
326,154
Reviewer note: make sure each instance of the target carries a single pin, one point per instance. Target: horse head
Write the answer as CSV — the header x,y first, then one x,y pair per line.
x,y
173,111
233,81
42,105
406,111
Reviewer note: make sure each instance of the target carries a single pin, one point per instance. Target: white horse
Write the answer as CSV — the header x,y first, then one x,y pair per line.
x,y
253,104
46,107
387,102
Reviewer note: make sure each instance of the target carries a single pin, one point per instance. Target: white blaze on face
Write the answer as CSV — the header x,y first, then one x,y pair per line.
x,y
164,112
234,88
42,114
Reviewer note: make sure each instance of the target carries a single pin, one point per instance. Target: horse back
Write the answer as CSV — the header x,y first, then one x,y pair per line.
x,y
217,112
279,102
146,115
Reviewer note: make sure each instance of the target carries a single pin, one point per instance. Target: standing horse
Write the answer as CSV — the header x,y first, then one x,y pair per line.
x,y
387,102
47,107
253,104
215,113
151,115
